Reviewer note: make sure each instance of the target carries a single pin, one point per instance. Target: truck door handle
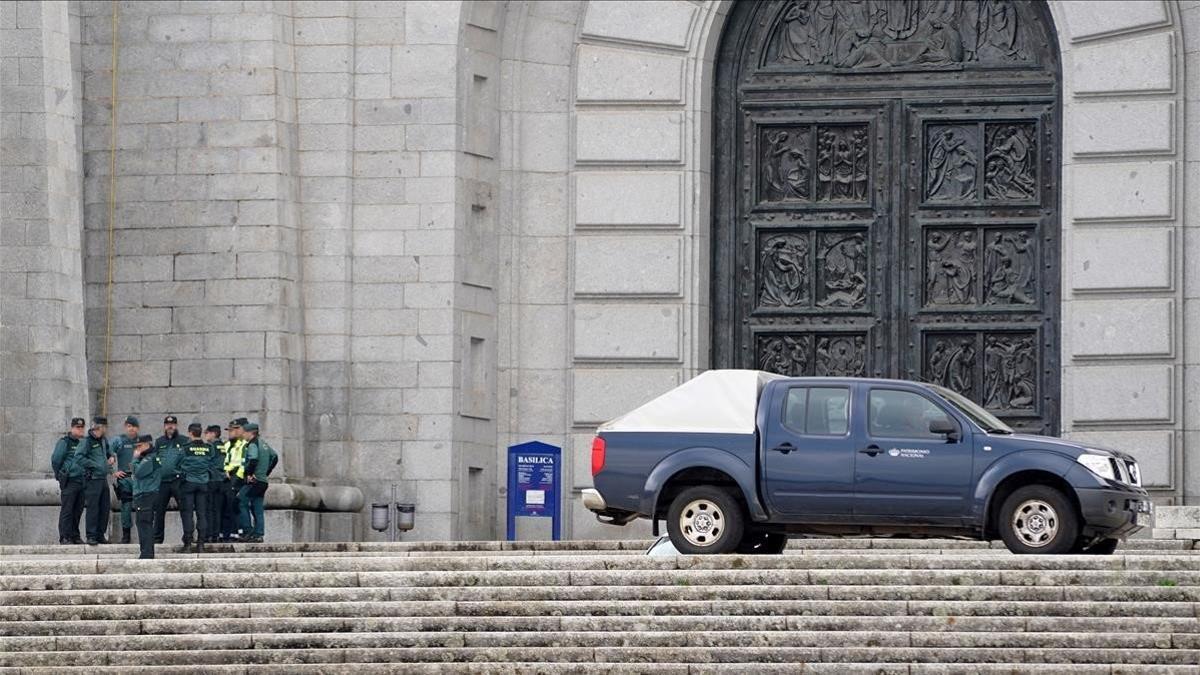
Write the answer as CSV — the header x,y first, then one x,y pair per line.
x,y
871,450
785,448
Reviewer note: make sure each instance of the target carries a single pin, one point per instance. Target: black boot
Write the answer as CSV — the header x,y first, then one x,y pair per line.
x,y
125,535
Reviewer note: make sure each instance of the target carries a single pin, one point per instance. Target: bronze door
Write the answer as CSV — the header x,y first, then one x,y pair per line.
x,y
886,196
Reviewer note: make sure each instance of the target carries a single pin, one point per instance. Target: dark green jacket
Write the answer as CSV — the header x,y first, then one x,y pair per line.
x,y
95,456
123,449
147,474
66,459
197,458
258,459
216,470
170,452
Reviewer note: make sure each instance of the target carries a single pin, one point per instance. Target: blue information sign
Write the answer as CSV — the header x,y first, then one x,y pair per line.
x,y
534,476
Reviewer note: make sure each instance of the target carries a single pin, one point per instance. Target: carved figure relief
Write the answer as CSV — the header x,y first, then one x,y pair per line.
x,y
1009,268
786,354
907,34
1010,165
843,163
785,164
951,161
783,271
843,278
950,271
841,356
950,362
1009,371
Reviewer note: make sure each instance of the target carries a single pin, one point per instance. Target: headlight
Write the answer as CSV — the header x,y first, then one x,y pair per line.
x,y
1098,464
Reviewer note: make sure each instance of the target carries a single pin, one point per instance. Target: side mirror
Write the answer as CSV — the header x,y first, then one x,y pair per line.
x,y
944,427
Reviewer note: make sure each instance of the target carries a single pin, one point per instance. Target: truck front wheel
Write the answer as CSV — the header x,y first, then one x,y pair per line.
x,y
1038,519
705,519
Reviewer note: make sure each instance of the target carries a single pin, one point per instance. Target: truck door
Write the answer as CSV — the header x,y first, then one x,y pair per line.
x,y
903,471
808,454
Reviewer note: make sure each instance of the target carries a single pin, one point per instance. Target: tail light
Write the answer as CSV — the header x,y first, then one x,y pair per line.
x,y
597,455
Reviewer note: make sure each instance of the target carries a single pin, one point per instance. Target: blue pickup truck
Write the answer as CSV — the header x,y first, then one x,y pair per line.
x,y
737,460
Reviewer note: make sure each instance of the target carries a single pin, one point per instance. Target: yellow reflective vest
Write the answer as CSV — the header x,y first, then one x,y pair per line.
x,y
233,457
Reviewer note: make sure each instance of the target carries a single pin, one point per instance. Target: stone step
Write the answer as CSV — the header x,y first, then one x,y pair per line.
x,y
634,624
593,609
745,592
1125,640
636,546
230,577
870,561
525,668
91,658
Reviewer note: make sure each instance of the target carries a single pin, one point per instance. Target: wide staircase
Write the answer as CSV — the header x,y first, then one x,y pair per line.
x,y
841,606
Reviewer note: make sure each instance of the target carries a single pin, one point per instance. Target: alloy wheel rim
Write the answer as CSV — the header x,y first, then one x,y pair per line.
x,y
702,522
1035,523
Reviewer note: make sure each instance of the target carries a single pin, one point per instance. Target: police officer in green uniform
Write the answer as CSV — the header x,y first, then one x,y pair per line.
x,y
95,482
169,450
195,466
66,462
123,449
260,458
100,422
216,484
147,475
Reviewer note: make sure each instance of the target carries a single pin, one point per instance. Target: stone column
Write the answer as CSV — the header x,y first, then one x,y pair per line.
x,y
43,381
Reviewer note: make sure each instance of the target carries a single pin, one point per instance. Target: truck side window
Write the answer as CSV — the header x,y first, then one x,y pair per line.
x,y
817,411
902,414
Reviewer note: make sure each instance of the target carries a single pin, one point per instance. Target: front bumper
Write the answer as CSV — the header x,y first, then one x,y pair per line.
x,y
594,501
1114,513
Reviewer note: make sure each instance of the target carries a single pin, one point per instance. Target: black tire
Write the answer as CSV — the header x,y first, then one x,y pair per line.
x,y
763,543
1102,547
705,519
1046,523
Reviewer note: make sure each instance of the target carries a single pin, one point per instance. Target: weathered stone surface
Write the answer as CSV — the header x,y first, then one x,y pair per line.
x,y
657,22
1122,127
627,332
1113,394
618,137
625,265
1126,191
647,199
603,394
618,75
1116,328
1127,258
1091,20
1133,65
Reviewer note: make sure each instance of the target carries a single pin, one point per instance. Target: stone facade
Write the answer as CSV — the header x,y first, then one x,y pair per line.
x,y
406,235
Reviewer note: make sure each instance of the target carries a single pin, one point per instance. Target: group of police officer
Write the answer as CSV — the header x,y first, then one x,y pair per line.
x,y
217,485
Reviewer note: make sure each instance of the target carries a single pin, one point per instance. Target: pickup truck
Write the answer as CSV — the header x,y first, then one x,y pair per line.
x,y
738,460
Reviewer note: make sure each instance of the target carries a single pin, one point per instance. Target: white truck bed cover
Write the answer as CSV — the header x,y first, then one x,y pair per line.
x,y
713,402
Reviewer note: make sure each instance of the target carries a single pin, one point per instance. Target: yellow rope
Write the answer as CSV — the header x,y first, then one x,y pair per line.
x,y
112,209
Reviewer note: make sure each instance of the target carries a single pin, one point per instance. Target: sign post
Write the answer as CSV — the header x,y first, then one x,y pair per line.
x,y
534,476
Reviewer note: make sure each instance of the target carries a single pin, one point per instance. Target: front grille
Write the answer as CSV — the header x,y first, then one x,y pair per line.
x,y
1120,470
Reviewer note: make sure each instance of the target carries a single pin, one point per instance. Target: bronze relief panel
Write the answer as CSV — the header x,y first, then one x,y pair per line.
x,y
961,276
997,368
980,163
798,354
809,164
896,35
812,268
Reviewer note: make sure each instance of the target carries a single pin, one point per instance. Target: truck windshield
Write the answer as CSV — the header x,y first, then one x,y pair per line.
x,y
966,406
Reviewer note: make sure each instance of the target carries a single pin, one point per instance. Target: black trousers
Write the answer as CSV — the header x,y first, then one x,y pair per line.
x,y
144,509
166,492
71,509
218,511
195,503
95,501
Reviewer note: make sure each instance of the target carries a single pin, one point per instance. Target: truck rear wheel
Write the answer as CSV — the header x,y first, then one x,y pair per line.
x,y
705,519
1038,519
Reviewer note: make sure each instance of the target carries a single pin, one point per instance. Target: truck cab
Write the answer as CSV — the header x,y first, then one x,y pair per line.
x,y
741,460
